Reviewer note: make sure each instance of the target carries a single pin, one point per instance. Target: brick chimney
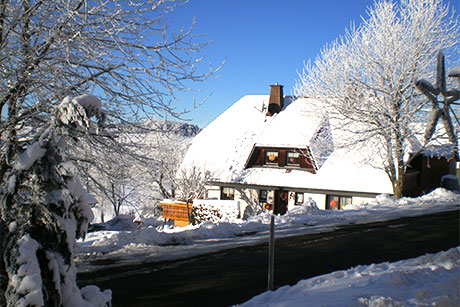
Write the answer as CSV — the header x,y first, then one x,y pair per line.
x,y
275,102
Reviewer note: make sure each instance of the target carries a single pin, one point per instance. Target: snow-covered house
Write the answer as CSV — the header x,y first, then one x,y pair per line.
x,y
275,151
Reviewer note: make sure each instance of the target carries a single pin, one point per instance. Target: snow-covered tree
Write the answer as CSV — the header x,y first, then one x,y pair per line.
x,y
191,181
366,79
140,169
126,53
167,153
43,209
190,184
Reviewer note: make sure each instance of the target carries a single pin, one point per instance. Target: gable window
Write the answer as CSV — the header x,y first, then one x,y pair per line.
x,y
271,157
227,194
335,202
293,158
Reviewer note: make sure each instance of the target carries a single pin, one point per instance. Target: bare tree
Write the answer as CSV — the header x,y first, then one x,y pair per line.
x,y
190,183
140,172
122,51
366,79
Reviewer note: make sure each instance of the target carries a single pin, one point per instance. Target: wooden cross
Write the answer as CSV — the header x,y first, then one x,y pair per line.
x,y
441,107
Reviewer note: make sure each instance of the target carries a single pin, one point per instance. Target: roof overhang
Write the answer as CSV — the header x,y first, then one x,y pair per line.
x,y
293,189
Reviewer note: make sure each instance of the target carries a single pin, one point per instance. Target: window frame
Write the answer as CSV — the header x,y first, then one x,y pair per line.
x,y
288,163
267,160
263,200
341,201
223,195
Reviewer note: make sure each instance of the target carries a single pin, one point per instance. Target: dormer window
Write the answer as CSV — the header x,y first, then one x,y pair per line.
x,y
293,158
282,157
271,157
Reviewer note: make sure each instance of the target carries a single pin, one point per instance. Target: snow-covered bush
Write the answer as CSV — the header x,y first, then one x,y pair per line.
x,y
214,210
202,213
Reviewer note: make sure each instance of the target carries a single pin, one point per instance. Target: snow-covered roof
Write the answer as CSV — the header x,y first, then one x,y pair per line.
x,y
224,146
292,127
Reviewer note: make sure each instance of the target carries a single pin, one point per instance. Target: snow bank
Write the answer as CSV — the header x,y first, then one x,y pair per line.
x,y
438,197
120,238
430,280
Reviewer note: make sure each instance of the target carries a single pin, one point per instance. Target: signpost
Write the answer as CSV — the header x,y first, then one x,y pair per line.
x,y
271,254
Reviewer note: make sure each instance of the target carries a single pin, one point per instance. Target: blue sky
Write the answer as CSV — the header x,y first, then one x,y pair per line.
x,y
262,42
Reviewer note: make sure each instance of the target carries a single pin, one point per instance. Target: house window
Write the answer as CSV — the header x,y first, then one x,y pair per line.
x,y
293,158
227,193
263,196
271,157
334,202
298,198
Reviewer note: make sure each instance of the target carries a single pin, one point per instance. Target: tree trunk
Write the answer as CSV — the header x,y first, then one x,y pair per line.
x,y
399,187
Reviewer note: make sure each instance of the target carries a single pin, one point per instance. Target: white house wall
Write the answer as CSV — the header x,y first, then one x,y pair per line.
x,y
248,199
320,199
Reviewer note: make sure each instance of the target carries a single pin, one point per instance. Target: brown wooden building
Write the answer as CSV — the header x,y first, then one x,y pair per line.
x,y
425,173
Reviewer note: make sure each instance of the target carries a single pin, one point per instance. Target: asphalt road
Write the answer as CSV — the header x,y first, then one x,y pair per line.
x,y
233,276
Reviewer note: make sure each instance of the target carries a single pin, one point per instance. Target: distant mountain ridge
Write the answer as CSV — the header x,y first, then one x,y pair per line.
x,y
177,127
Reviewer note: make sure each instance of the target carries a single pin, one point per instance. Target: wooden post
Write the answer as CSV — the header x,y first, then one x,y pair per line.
x,y
271,254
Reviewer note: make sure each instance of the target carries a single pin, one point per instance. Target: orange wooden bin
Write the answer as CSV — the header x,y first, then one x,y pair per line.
x,y
177,211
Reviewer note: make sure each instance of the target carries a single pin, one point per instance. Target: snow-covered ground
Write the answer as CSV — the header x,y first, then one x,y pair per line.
x,y
430,280
121,243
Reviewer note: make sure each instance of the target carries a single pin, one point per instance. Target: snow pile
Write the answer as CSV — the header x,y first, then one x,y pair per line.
x,y
430,280
77,111
111,241
385,201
